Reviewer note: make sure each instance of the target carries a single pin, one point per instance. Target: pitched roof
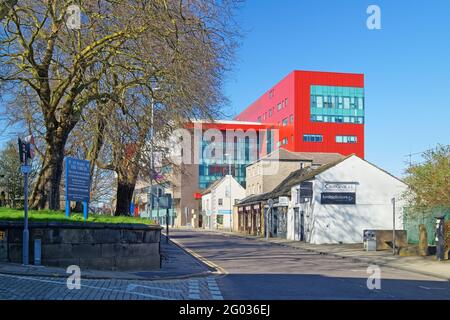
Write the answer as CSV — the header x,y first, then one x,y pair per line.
x,y
320,157
213,185
283,154
293,179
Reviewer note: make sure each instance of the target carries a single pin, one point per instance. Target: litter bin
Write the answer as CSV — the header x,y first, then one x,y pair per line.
x,y
370,240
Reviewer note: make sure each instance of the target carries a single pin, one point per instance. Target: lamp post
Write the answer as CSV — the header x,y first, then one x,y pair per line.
x,y
231,206
393,226
152,161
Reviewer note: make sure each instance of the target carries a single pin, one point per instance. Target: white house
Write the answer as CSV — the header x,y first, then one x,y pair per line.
x,y
218,202
336,202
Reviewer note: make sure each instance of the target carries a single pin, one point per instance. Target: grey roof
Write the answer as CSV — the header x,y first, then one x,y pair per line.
x,y
321,157
293,179
282,154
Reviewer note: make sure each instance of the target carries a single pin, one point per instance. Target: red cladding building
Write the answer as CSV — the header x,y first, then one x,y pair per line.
x,y
314,112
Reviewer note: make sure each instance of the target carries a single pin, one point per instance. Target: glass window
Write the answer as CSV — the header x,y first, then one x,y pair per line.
x,y
319,101
279,106
220,202
285,122
270,113
285,140
346,103
312,138
346,139
291,118
259,119
286,101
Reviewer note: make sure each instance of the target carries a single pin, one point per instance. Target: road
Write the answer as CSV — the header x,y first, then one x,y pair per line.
x,y
259,270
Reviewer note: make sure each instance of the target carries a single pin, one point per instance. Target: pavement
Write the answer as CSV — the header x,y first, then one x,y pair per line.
x,y
423,265
176,263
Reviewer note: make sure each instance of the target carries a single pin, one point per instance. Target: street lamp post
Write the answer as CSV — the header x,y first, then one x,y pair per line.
x,y
393,226
231,206
152,159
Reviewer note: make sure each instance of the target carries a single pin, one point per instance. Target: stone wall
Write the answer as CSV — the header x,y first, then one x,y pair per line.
x,y
88,245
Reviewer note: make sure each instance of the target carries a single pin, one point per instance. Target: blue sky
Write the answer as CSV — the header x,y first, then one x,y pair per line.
x,y
406,64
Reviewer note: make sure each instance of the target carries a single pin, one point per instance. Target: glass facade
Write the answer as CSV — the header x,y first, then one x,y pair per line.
x,y
211,170
337,104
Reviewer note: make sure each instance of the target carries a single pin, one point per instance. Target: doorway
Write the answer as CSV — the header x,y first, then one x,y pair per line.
x,y
299,225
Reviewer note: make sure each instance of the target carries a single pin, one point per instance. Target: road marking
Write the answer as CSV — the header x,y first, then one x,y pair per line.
x,y
83,285
429,288
209,263
133,286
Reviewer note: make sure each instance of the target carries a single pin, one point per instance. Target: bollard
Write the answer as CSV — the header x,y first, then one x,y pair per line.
x,y
37,252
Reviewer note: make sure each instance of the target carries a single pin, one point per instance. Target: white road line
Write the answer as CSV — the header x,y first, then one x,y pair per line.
x,y
82,285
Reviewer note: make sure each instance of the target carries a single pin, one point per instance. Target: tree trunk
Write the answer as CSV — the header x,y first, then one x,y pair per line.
x,y
46,193
124,196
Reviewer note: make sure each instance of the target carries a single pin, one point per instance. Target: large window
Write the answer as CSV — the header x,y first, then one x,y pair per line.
x,y
337,104
285,122
312,138
346,139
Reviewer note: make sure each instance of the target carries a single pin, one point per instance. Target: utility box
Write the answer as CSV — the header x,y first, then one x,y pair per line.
x,y
383,239
370,240
3,245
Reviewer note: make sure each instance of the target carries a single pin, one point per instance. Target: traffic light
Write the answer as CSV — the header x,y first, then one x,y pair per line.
x,y
26,150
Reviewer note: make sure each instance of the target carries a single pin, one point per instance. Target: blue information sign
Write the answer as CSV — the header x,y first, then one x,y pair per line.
x,y
78,182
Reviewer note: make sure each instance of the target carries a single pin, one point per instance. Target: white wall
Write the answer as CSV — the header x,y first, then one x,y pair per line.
x,y
345,223
221,192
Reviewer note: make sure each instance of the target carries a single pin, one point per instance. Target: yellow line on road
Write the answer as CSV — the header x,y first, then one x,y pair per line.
x,y
220,271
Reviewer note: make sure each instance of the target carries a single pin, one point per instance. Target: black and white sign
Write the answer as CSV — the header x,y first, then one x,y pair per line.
x,y
338,198
339,187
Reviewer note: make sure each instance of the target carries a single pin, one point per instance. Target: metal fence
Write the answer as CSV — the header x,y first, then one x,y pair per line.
x,y
412,221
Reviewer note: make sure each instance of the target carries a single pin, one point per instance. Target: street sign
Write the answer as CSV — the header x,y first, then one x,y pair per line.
x,y
78,180
78,184
165,202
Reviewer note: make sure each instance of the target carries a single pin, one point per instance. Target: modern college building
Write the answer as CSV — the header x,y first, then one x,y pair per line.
x,y
307,111
314,112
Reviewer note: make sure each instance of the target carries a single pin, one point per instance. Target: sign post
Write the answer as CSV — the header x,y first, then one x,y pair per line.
x,y
270,203
166,203
26,152
78,184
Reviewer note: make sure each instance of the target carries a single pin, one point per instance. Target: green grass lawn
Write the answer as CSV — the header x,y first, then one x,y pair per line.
x,y
59,216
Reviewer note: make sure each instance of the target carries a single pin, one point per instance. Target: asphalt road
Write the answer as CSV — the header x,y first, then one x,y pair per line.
x,y
258,270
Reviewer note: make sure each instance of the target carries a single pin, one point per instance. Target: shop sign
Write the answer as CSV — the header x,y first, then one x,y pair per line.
x,y
339,187
338,198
